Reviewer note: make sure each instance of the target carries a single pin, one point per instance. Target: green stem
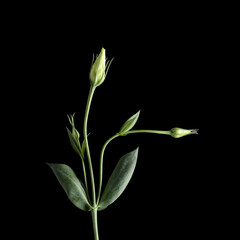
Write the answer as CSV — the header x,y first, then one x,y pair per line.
x,y
148,131
101,164
108,141
95,224
85,178
90,96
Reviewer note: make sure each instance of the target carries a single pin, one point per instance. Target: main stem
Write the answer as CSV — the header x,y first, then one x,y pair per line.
x,y
94,211
95,224
91,91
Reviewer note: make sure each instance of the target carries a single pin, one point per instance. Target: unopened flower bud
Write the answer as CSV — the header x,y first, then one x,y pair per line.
x,y
74,136
99,69
179,132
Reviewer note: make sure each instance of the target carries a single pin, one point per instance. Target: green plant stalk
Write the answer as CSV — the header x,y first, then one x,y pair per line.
x,y
148,131
95,224
101,165
85,178
94,211
108,141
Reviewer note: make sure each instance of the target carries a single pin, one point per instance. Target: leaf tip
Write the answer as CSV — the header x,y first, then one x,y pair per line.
x,y
136,150
49,164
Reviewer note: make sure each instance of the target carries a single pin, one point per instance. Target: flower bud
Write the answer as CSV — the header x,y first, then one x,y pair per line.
x,y
75,133
179,132
74,136
99,69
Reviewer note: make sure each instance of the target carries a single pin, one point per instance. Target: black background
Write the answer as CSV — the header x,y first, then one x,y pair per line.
x,y
164,63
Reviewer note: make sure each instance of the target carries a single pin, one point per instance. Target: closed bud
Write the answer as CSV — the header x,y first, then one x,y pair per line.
x,y
74,136
75,133
179,132
99,69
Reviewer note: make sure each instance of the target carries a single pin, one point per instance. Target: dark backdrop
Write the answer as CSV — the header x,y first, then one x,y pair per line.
x,y
163,65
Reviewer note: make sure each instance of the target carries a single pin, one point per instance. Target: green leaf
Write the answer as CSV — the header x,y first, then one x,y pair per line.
x,y
74,142
71,185
129,124
119,179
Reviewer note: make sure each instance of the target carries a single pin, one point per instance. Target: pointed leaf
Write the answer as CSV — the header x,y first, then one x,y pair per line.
x,y
129,124
119,179
71,185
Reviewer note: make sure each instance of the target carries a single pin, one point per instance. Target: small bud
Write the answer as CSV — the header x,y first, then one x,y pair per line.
x,y
99,69
74,136
179,132
75,133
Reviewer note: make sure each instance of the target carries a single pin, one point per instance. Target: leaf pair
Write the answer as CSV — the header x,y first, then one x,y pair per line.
x,y
114,188
116,183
